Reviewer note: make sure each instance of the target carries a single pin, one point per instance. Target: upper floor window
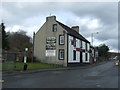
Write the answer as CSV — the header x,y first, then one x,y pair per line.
x,y
61,40
54,27
80,43
73,42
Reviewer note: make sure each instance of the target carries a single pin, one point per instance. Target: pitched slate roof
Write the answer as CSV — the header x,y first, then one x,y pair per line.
x,y
72,32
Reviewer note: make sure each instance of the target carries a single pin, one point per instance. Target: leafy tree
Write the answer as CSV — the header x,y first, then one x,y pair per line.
x,y
19,40
5,44
103,50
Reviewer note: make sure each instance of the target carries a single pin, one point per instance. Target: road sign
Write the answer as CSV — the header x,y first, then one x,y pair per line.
x,y
96,53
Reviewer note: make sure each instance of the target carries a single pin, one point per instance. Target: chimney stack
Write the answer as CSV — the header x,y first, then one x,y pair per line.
x,y
51,18
76,28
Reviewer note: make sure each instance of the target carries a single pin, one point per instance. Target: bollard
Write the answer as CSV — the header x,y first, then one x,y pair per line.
x,y
25,67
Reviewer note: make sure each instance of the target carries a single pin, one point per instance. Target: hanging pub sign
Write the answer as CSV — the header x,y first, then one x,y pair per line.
x,y
50,46
77,49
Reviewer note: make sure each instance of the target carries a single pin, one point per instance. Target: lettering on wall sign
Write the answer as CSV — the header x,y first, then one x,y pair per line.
x,y
50,46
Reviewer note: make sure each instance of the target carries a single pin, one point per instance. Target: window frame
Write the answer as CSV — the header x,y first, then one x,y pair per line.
x,y
81,44
53,28
74,55
60,40
60,55
86,56
74,41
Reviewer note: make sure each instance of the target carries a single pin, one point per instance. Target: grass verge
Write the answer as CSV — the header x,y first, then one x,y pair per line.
x,y
30,66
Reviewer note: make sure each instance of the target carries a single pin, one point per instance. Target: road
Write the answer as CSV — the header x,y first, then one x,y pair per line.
x,y
99,76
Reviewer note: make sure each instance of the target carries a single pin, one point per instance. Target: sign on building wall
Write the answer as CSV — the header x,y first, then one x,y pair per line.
x,y
51,43
50,52
50,46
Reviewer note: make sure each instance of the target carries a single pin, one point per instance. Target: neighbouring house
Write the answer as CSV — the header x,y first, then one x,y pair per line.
x,y
56,43
93,54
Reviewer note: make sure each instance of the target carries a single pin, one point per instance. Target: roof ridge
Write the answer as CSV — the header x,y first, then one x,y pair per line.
x,y
72,32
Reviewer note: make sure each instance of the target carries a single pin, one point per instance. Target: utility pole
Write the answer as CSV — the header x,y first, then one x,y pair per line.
x,y
92,37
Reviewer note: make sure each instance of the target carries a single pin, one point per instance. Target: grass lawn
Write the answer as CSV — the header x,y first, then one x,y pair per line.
x,y
35,65
9,66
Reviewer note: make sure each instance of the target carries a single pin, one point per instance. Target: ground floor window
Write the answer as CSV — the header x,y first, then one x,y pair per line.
x,y
61,54
86,57
74,55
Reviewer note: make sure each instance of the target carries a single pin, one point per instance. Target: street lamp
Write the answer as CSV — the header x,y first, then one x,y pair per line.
x,y
92,37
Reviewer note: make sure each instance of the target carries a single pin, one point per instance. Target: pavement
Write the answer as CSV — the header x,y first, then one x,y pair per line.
x,y
6,73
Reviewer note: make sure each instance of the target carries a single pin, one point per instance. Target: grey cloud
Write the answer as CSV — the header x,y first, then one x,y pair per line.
x,y
108,32
107,13
113,44
17,12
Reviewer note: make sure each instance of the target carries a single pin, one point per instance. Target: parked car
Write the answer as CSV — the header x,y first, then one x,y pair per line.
x,y
116,60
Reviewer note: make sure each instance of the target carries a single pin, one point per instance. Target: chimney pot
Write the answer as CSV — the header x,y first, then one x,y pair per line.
x,y
76,28
51,18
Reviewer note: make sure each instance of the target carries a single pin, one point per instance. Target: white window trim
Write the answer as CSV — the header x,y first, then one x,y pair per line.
x,y
61,58
60,39
54,27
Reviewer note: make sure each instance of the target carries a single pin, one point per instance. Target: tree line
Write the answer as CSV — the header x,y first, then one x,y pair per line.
x,y
15,41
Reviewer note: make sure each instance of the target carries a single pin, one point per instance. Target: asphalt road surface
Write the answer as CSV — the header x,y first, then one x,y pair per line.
x,y
99,76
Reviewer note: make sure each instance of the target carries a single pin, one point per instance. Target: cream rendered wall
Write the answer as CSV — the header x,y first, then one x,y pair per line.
x,y
40,43
60,32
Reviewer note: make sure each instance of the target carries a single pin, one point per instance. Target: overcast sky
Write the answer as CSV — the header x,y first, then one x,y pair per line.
x,y
91,17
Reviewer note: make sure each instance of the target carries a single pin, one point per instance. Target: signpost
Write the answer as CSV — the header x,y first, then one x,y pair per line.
x,y
25,58
25,55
